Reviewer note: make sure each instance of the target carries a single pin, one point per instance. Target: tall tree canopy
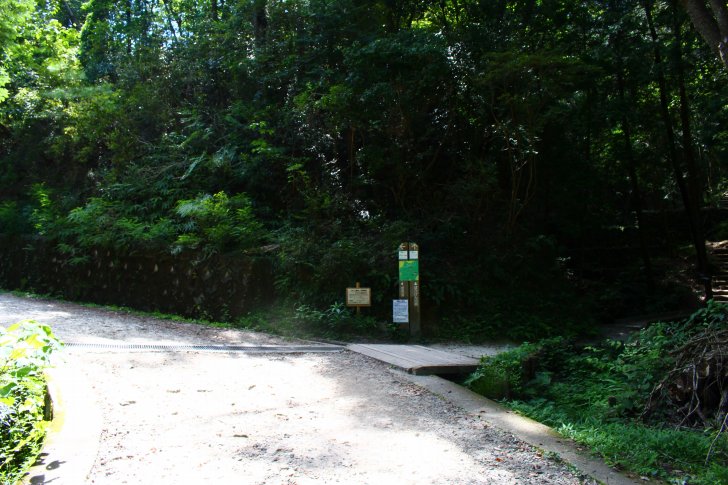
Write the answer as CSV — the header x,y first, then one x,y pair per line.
x,y
520,143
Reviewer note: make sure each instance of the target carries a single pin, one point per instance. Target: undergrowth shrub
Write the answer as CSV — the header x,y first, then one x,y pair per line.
x,y
606,396
13,220
102,223
513,373
335,321
25,349
207,224
217,223
317,260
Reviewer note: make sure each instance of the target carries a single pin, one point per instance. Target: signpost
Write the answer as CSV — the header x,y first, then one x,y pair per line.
x,y
358,297
408,255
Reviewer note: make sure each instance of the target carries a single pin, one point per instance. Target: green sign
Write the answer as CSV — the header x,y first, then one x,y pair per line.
x,y
409,270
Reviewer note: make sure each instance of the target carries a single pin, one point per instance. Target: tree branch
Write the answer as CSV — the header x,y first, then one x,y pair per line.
x,y
710,25
721,15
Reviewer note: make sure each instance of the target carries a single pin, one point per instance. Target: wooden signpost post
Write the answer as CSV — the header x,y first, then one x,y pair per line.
x,y
409,283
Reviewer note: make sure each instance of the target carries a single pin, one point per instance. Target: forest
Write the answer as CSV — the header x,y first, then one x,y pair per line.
x,y
561,164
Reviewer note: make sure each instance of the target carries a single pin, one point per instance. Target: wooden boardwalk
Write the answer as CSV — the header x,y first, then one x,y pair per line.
x,y
417,359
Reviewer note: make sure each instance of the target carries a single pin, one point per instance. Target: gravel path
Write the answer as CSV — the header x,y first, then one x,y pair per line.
x,y
189,417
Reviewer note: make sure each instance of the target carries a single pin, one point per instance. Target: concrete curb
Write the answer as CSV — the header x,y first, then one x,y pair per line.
x,y
73,436
528,430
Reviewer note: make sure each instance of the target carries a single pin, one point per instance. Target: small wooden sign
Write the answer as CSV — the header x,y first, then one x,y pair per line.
x,y
358,297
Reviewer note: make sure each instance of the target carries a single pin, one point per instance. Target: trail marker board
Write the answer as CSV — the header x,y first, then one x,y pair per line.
x,y
359,297
409,270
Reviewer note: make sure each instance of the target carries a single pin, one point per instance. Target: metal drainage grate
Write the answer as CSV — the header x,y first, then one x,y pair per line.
x,y
250,349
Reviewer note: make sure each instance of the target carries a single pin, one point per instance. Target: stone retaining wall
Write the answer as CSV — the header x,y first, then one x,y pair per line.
x,y
220,287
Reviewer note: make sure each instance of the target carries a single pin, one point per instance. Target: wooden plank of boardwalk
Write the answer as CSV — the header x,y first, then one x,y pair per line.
x,y
417,359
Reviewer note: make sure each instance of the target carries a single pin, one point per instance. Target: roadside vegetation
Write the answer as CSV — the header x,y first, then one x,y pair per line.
x,y
655,405
283,319
25,349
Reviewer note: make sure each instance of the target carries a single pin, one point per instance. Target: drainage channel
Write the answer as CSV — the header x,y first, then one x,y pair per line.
x,y
249,349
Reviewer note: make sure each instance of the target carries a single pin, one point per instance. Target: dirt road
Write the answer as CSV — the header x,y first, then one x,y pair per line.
x,y
195,417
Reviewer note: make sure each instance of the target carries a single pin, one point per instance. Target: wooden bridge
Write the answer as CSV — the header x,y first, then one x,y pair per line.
x,y
417,359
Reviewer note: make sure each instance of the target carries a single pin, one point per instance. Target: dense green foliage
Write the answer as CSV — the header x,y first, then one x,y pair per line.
x,y
602,396
24,352
521,144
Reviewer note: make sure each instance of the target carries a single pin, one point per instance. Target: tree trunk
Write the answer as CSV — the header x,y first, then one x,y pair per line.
x,y
260,22
71,15
695,185
632,170
170,20
712,25
128,27
693,216
665,111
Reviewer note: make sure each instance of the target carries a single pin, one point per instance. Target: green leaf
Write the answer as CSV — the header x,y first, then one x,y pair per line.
x,y
7,389
23,371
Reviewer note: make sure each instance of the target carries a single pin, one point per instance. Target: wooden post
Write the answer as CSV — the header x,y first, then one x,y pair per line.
x,y
404,285
415,327
414,306
410,290
358,308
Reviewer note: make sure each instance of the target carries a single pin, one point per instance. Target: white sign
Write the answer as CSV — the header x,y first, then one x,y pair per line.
x,y
403,255
400,311
414,255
